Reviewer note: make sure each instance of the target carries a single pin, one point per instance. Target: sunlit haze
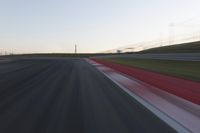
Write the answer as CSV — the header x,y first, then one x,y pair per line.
x,y
32,26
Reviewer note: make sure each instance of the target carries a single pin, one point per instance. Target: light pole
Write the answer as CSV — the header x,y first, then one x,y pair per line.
x,y
171,34
75,49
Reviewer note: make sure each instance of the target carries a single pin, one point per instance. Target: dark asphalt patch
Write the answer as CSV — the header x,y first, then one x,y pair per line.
x,y
68,96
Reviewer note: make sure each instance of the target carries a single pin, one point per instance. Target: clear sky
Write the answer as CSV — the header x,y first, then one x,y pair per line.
x,y
94,25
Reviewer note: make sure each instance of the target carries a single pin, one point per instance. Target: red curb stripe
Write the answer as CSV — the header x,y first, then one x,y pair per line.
x,y
186,89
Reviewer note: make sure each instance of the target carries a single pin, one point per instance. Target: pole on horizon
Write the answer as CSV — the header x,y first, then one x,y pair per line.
x,y
161,39
75,49
171,34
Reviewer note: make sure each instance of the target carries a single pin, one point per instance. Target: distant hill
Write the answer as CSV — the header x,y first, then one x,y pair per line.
x,y
192,47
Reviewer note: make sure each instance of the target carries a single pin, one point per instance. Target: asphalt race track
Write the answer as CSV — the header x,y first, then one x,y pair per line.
x,y
67,96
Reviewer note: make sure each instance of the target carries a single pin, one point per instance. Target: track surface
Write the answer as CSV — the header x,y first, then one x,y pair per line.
x,y
67,96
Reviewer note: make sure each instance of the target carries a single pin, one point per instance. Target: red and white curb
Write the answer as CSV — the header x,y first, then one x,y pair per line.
x,y
180,114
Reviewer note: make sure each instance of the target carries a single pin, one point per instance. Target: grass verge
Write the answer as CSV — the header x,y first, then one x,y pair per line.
x,y
183,69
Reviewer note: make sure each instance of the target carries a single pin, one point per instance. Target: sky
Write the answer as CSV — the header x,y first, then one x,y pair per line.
x,y
55,26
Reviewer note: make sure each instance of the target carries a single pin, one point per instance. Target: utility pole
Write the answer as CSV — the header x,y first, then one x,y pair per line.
x,y
171,34
75,49
160,40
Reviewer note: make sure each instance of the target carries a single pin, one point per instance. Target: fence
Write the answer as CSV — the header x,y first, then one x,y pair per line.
x,y
171,40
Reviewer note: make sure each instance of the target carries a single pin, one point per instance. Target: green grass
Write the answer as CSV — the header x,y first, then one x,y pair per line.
x,y
192,47
184,69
